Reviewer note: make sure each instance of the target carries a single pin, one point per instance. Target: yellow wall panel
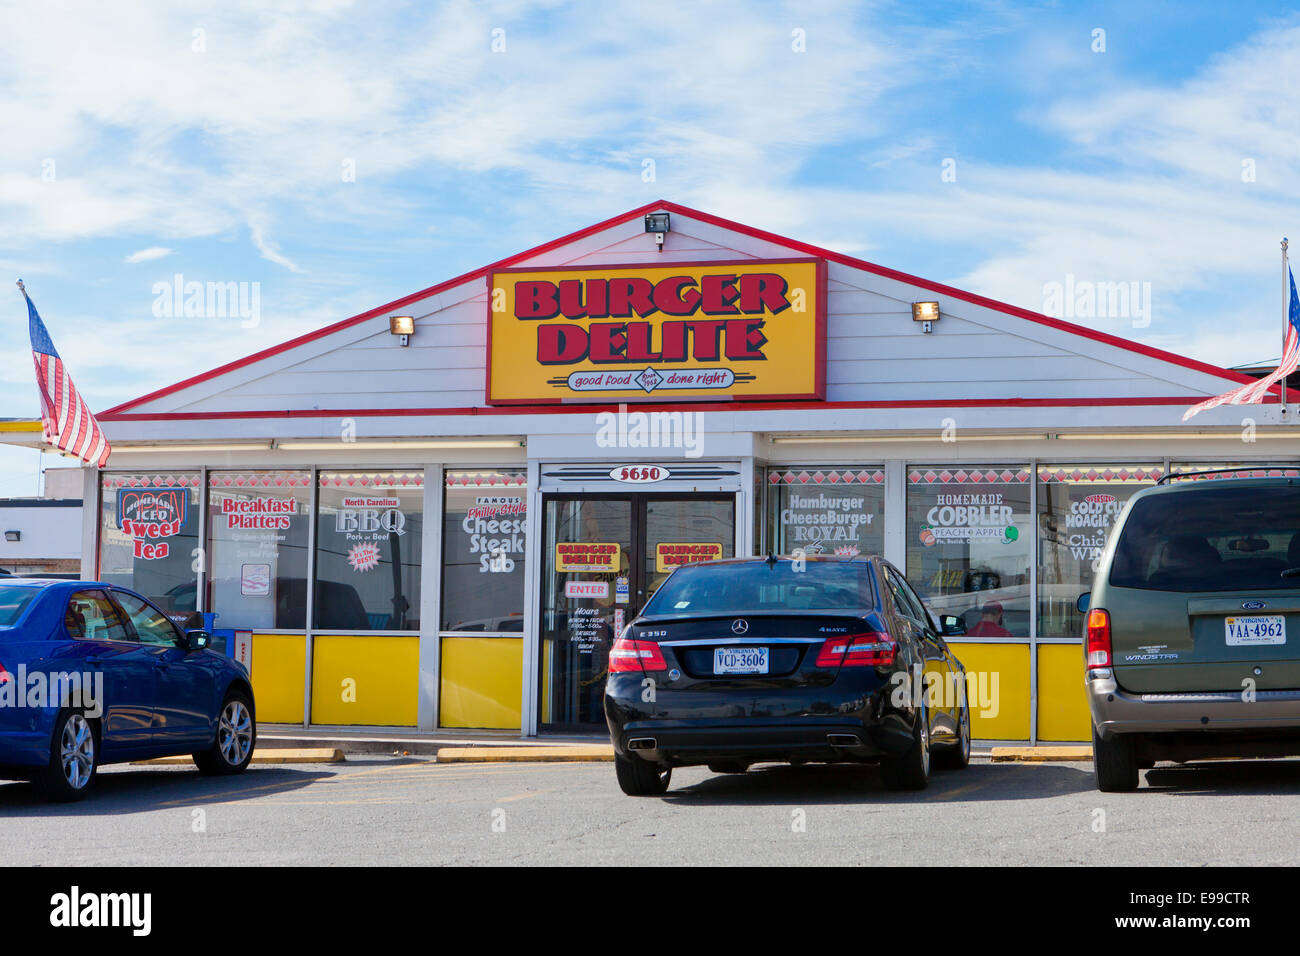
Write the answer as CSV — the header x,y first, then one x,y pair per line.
x,y
365,680
481,682
1000,674
1062,700
279,670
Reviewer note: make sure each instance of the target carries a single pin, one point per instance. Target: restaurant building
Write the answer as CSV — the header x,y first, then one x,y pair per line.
x,y
436,514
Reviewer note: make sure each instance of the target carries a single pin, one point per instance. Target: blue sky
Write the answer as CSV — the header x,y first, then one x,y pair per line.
x,y
149,140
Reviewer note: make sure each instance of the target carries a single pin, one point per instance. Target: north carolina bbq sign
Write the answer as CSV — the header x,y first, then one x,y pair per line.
x,y
715,331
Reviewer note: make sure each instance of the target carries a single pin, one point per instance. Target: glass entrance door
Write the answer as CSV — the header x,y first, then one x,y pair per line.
x,y
602,558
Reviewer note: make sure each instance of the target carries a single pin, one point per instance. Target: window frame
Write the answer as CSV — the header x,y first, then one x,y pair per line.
x,y
128,631
177,641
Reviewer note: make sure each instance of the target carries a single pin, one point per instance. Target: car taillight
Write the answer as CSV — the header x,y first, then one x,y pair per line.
x,y
5,676
1098,639
868,649
632,655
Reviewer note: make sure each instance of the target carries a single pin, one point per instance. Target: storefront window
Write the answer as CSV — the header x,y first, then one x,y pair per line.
x,y
1077,508
969,534
148,533
258,529
837,510
369,538
485,520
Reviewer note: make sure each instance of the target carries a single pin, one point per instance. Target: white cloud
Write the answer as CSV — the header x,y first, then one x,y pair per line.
x,y
148,255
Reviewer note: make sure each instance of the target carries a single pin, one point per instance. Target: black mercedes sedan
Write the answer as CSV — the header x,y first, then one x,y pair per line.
x,y
758,660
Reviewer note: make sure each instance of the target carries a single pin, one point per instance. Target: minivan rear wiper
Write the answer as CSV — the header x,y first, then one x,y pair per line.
x,y
1291,573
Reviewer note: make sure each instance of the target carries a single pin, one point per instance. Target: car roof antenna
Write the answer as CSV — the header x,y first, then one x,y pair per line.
x,y
771,558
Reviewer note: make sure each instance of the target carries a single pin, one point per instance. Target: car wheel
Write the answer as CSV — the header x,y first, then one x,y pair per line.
x,y
957,757
1114,762
232,748
640,779
911,771
74,759
728,767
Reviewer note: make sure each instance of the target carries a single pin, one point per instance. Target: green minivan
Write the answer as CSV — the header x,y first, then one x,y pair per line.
x,y
1192,643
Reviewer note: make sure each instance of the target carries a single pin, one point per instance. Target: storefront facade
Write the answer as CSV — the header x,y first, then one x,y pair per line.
x,y
447,531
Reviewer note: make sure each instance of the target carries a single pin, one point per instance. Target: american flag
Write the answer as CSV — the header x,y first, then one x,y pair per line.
x,y
64,413
1255,392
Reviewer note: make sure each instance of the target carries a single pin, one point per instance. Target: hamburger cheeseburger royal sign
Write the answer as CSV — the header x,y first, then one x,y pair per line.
x,y
716,331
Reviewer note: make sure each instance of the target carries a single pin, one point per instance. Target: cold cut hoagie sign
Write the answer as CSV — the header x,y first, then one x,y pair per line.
x,y
702,331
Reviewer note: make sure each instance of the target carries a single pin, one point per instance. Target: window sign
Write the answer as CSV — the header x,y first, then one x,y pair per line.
x,y
485,524
148,536
258,529
577,556
968,545
369,536
1078,506
670,554
828,510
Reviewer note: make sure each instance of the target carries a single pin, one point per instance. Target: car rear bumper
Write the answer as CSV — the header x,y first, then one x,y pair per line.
x,y
754,740
1116,711
24,748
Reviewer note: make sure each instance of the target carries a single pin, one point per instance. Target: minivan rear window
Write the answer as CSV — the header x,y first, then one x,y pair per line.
x,y
1230,538
764,586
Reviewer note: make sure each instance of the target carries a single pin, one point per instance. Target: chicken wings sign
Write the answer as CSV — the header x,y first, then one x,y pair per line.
x,y
716,331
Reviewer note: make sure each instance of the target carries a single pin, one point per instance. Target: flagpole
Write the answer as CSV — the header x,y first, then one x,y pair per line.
x,y
1286,314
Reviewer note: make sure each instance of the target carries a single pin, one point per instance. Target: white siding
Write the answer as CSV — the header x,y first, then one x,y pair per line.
x,y
875,351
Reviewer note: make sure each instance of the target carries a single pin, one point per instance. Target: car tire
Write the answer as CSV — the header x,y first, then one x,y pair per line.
x,y
640,779
728,767
1114,761
957,757
235,739
74,758
911,771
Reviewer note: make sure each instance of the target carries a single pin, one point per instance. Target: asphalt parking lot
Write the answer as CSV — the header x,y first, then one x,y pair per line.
x,y
388,810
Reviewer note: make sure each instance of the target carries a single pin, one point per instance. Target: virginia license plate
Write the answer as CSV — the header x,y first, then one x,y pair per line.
x,y
1255,629
740,660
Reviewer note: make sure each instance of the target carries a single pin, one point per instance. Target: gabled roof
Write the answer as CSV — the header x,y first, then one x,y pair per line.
x,y
123,411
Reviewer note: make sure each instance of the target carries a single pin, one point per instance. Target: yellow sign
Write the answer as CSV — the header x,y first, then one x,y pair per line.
x,y
753,329
669,554
571,556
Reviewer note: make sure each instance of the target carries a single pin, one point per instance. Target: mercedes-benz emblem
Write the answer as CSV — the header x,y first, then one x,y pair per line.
x,y
739,626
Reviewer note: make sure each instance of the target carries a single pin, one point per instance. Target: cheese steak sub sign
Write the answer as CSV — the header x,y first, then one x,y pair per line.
x,y
704,331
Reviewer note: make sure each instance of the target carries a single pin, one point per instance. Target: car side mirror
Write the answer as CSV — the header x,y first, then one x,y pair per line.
x,y
952,625
1084,600
197,640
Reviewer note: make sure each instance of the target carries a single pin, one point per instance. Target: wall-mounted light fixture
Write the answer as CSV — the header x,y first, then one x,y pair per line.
x,y
927,313
13,536
403,326
659,224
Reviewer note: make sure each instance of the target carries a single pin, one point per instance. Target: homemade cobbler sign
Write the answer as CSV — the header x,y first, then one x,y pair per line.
x,y
701,331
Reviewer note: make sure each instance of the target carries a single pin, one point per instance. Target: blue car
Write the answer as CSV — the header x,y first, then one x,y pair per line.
x,y
92,674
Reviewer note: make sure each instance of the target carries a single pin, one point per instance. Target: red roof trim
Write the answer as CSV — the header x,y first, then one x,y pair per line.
x,y
579,408
751,231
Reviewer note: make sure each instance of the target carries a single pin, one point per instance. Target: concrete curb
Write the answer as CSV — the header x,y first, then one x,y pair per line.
x,y
272,755
1040,754
583,753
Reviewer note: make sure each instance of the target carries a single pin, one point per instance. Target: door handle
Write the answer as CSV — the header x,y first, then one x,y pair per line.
x,y
161,664
95,659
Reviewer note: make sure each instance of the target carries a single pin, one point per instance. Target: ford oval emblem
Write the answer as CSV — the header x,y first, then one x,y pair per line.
x,y
739,626
1253,605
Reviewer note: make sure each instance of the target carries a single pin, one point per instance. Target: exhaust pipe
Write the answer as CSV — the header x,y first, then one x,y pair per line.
x,y
642,743
844,740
